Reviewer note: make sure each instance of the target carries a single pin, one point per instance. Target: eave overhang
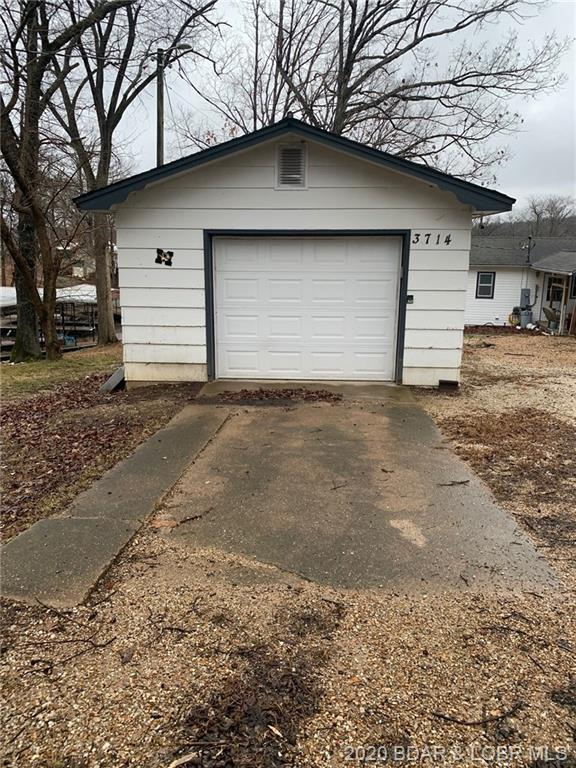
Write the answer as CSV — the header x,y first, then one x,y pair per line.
x,y
480,199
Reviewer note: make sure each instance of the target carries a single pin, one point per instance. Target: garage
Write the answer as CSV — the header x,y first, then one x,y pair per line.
x,y
314,308
293,253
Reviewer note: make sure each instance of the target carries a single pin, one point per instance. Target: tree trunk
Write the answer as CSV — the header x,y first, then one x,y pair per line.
x,y
106,330
27,346
48,317
51,340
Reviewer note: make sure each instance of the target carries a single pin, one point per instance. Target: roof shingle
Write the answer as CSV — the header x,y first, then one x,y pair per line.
x,y
563,262
497,251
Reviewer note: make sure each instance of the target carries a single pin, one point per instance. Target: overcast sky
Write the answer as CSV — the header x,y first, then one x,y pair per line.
x,y
544,154
543,157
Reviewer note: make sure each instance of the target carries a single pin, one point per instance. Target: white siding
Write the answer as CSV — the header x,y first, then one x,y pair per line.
x,y
163,308
507,287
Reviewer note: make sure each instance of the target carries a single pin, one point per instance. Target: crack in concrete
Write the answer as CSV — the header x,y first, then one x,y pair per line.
x,y
191,518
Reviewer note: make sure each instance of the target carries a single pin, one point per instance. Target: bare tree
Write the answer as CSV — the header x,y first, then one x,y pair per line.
x,y
243,85
551,216
414,77
545,216
35,35
116,66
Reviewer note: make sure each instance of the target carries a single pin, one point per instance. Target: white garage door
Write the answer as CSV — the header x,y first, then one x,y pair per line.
x,y
306,308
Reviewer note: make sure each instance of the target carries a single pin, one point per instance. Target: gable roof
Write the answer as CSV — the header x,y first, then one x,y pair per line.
x,y
561,263
481,199
495,251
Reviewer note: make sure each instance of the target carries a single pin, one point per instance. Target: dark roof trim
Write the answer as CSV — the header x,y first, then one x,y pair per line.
x,y
481,199
496,265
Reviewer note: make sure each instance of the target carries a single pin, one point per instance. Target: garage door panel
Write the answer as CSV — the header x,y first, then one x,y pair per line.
x,y
240,362
327,363
238,255
372,260
238,327
329,253
324,291
284,363
375,291
365,254
283,289
309,309
373,327
283,326
239,289
331,327
370,363
282,253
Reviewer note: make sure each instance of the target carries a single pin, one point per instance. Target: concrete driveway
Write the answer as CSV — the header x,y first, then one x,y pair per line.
x,y
362,493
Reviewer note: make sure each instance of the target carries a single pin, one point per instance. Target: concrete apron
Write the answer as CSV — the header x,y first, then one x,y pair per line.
x,y
350,390
58,560
359,494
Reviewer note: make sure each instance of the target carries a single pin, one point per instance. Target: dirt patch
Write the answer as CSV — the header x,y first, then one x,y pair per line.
x,y
566,697
287,394
57,442
523,454
255,719
555,530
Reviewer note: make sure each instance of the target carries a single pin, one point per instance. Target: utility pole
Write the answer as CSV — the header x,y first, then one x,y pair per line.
x,y
162,56
160,106
527,245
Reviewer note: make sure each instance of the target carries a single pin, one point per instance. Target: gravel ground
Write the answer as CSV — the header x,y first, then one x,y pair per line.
x,y
503,372
237,664
231,662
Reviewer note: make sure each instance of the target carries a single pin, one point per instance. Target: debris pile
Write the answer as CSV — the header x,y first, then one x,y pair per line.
x,y
280,395
503,329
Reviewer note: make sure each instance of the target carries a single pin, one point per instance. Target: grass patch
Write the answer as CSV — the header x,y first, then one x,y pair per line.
x,y
23,379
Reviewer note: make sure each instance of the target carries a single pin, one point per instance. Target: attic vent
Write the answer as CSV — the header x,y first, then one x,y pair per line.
x,y
291,162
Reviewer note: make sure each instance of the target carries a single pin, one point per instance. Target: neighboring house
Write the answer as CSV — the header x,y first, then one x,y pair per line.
x,y
297,254
500,267
556,284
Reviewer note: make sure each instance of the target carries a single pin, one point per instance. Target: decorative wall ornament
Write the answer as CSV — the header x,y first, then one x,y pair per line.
x,y
164,257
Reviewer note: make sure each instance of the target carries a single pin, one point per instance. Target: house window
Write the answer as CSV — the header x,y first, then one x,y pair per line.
x,y
573,287
485,285
291,166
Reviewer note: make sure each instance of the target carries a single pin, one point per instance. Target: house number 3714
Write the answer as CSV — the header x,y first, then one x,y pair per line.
x,y
431,238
